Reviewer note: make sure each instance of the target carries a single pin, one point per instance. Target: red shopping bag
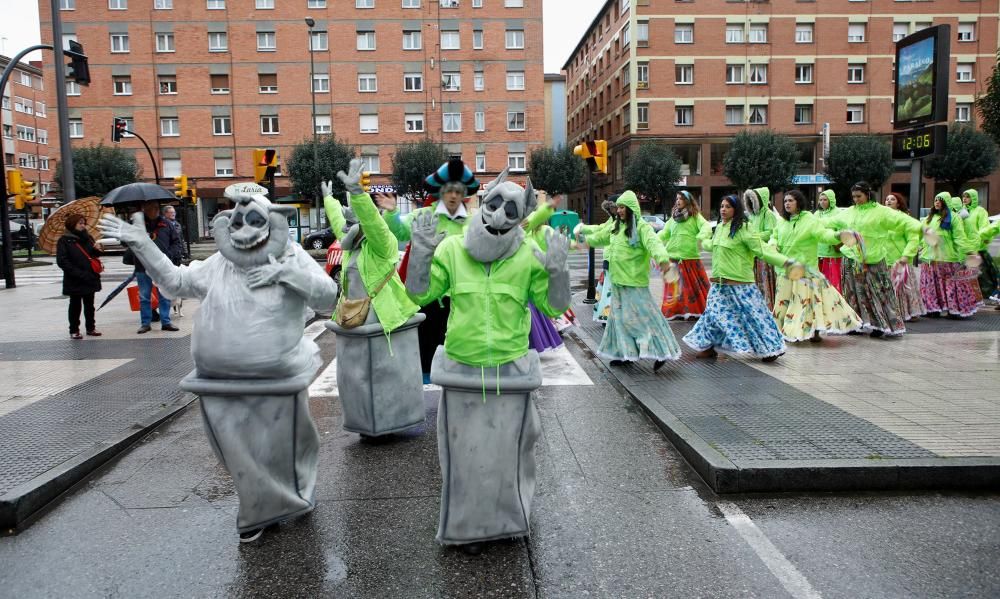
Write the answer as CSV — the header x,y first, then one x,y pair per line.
x,y
133,298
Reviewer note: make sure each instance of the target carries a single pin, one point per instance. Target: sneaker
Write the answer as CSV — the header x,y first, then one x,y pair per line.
x,y
169,327
94,333
877,333
707,353
144,329
617,362
75,336
471,548
251,535
770,358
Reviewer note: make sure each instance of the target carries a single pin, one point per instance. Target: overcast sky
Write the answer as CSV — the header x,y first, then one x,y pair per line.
x,y
565,21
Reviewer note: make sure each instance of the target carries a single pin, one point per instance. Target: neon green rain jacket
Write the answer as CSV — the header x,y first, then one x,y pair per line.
x,y
379,255
764,222
630,263
489,320
876,223
955,244
400,225
732,257
600,230
827,250
896,242
799,236
681,238
978,219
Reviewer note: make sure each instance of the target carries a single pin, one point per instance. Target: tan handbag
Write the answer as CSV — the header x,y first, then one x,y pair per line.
x,y
353,313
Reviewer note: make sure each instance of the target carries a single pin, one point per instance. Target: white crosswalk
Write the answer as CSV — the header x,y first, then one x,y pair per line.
x,y
114,271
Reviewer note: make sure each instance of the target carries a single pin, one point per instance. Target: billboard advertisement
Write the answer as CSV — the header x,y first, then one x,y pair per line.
x,y
922,65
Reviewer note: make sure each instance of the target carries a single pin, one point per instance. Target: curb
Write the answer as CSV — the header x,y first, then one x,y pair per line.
x,y
724,476
24,503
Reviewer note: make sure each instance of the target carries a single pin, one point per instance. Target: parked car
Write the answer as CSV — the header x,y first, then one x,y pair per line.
x,y
21,236
319,240
654,220
334,255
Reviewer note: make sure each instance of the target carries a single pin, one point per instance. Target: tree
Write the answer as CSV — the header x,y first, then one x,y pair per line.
x,y
653,172
761,159
969,155
556,170
988,104
411,165
856,158
99,169
333,156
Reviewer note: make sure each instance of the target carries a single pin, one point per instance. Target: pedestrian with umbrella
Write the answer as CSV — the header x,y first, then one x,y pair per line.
x,y
76,255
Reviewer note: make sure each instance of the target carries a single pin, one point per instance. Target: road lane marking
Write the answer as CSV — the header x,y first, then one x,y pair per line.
x,y
786,573
315,329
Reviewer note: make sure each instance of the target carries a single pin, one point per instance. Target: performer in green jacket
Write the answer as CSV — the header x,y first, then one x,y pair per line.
x,y
602,307
945,286
975,223
680,237
762,221
905,276
830,258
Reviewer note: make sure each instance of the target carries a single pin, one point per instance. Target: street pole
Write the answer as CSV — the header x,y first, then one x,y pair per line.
x,y
312,87
65,149
591,285
916,181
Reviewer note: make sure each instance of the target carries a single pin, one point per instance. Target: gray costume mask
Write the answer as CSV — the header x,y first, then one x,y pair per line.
x,y
494,232
252,231
353,235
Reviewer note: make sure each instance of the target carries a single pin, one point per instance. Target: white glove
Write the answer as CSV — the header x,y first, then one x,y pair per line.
x,y
115,228
327,188
266,274
352,180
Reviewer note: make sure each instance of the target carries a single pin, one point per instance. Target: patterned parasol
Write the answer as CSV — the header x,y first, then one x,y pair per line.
x,y
55,226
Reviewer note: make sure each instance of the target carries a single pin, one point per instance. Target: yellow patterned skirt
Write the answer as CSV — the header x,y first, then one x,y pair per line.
x,y
811,305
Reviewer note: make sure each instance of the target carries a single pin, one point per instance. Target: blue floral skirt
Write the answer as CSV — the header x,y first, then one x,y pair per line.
x,y
636,329
737,322
603,306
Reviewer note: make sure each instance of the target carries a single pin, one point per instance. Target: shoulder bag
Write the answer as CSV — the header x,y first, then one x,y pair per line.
x,y
352,313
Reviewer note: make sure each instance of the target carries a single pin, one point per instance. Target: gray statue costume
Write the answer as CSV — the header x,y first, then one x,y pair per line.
x,y
378,363
252,364
487,421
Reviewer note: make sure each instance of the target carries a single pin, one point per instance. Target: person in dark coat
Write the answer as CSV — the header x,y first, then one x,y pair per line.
x,y
168,240
74,252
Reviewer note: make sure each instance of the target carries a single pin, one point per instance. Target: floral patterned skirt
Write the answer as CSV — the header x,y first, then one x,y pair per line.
x,y
737,322
906,282
763,274
943,291
604,290
636,330
830,267
868,289
687,298
811,305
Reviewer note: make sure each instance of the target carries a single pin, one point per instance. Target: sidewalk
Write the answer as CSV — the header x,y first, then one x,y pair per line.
x,y
850,413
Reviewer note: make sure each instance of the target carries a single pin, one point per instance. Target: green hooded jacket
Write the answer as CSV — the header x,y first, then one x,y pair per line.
x,y
378,258
400,225
955,244
600,230
978,219
876,224
826,250
732,257
765,221
681,238
799,238
489,320
897,240
629,258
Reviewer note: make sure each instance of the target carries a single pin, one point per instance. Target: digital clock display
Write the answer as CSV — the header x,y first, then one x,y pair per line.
x,y
919,143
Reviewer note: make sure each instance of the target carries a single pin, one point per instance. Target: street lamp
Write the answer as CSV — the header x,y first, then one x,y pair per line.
x,y
310,23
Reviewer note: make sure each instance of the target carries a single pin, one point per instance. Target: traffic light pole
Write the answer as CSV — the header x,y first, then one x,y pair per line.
x,y
65,147
591,285
156,169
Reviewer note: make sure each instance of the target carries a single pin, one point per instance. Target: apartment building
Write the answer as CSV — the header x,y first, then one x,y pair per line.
x,y
206,81
555,110
693,73
26,129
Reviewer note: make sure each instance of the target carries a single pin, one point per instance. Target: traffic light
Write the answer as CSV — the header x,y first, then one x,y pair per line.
x,y
265,163
181,187
27,194
14,187
118,129
193,195
77,68
595,153
366,181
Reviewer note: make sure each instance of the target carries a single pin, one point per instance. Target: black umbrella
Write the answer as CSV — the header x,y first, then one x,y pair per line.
x,y
136,193
117,290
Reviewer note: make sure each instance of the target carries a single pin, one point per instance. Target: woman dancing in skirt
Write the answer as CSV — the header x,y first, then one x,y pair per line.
x,y
544,334
736,320
943,287
636,329
602,308
977,222
867,285
905,276
811,305
680,237
762,221
830,258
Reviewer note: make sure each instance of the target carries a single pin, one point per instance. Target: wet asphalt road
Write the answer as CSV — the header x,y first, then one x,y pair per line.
x,y
618,513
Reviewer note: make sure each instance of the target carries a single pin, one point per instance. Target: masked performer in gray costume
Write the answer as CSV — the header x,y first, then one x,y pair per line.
x,y
252,364
378,354
487,423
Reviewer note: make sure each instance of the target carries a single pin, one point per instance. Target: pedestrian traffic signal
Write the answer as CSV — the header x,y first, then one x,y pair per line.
x,y
366,181
265,164
119,129
14,183
27,194
193,195
77,68
595,153
181,187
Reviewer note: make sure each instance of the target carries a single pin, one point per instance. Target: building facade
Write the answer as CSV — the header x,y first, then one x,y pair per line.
x,y
555,110
26,129
207,81
694,73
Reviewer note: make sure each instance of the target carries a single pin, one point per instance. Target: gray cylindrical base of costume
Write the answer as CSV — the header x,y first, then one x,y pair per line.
x,y
380,392
486,450
263,434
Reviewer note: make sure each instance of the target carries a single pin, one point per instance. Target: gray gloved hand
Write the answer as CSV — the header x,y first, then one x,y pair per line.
x,y
554,261
352,180
115,228
327,188
156,263
265,274
424,239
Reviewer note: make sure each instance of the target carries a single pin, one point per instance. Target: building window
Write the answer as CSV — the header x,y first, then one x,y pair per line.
x,y
515,121
734,73
215,4
25,133
477,39
626,36
67,5
367,82
899,31
371,163
855,113
804,33
413,82
803,73
856,32
168,84
516,163
414,123
480,120
163,4
684,116
267,41
515,39
478,81
264,4
223,167
8,131
412,40
450,40
642,75
515,80
734,34
758,114
480,163
451,82
411,3
269,125
966,32
964,72
40,108
684,34
452,122
123,85
364,3
119,43
170,126
626,78
323,124
963,113
43,136
684,74
267,83
164,42
477,3
218,41
369,123
72,88
319,41
856,73
758,33
758,74
222,125
366,40
803,114
921,25
321,83
642,116
219,84
171,167
642,34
